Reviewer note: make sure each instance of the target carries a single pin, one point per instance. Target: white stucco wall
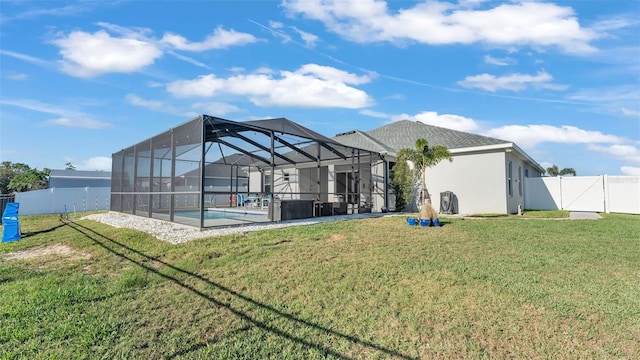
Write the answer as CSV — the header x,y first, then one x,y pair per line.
x,y
255,181
286,183
477,180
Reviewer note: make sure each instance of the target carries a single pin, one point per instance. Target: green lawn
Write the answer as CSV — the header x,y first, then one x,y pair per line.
x,y
372,288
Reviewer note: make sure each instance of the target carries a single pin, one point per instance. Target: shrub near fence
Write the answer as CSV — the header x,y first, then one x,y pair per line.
x,y
52,201
4,199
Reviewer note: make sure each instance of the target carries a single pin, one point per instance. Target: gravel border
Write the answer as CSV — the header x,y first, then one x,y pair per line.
x,y
177,233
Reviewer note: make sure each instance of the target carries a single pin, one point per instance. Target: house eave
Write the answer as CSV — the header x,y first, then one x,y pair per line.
x,y
504,146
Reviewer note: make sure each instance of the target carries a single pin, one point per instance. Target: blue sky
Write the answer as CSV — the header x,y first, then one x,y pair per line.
x,y
82,80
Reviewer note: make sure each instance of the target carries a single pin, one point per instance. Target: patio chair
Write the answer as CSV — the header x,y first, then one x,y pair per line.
x,y
265,200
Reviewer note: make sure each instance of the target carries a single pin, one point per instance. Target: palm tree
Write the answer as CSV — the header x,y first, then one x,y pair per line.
x,y
423,157
554,171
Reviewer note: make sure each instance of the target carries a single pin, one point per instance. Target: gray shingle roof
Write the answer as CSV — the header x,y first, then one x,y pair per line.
x,y
80,174
359,139
404,133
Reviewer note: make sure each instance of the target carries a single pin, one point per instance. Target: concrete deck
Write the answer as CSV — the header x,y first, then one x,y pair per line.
x,y
584,215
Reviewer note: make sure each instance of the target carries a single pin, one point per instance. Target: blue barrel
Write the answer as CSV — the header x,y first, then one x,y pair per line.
x,y
10,223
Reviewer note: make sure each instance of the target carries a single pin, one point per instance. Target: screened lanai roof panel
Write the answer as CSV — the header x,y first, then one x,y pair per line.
x,y
287,126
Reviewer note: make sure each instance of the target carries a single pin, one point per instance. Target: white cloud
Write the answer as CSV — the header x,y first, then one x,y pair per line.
x,y
122,49
155,105
630,170
85,123
450,121
498,61
619,151
375,114
203,85
88,55
622,99
332,74
189,60
138,101
310,86
630,112
615,94
308,38
615,23
16,76
512,82
66,115
535,24
215,108
98,163
219,39
529,136
24,57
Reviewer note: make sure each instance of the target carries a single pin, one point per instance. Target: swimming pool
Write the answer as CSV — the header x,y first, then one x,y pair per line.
x,y
220,214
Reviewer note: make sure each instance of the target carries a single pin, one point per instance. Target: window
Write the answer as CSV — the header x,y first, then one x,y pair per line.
x,y
267,184
520,180
509,178
526,172
285,177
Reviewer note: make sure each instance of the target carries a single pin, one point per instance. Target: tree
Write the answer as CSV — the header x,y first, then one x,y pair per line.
x,y
423,157
69,166
402,183
554,171
20,177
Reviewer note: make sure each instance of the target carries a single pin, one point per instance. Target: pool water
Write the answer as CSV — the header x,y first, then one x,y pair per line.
x,y
218,214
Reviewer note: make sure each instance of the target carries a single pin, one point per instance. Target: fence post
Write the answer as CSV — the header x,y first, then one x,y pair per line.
x,y
560,186
605,187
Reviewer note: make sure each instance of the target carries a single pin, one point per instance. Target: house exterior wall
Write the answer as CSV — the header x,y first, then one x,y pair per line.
x,y
255,181
477,180
286,183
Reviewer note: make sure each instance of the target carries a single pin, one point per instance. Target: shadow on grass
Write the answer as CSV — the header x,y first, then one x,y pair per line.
x,y
34,233
119,249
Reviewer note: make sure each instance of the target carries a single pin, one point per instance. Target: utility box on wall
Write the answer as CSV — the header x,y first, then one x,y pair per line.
x,y
448,203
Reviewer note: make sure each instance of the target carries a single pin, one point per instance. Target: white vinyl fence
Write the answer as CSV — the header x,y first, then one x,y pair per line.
x,y
618,194
54,201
